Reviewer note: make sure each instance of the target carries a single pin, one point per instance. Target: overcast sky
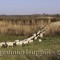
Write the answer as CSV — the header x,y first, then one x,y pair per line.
x,y
23,7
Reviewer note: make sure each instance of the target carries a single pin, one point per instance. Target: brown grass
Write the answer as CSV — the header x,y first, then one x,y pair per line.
x,y
14,29
53,28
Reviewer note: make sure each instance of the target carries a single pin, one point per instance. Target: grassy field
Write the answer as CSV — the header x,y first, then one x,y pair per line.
x,y
10,38
51,43
10,31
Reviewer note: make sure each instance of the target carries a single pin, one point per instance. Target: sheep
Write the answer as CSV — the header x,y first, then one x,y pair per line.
x,y
38,32
30,38
34,34
42,32
17,43
41,35
35,38
21,42
14,44
1,44
25,42
10,44
16,40
38,35
30,41
40,40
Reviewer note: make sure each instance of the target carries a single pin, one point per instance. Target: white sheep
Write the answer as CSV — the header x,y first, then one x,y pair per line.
x,y
34,34
25,42
17,43
21,42
41,35
10,44
30,38
16,40
30,41
40,40
38,32
35,38
1,44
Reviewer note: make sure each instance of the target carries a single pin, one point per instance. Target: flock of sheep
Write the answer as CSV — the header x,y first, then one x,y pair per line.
x,y
36,36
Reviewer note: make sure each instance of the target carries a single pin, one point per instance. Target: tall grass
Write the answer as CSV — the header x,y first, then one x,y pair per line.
x,y
53,28
16,29
7,28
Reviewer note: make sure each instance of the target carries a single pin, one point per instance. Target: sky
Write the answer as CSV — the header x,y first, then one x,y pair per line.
x,y
26,7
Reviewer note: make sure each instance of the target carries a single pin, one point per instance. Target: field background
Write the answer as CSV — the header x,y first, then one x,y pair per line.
x,y
50,41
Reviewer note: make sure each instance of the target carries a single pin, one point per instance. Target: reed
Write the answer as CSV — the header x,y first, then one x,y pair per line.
x,y
16,29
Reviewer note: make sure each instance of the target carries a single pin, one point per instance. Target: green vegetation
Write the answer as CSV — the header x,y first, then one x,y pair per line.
x,y
51,43
10,38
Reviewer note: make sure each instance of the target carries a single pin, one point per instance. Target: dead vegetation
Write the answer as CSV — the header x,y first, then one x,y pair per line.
x,y
53,29
14,29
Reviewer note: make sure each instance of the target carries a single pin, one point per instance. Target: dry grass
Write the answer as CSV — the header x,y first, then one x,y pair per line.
x,y
14,29
53,28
